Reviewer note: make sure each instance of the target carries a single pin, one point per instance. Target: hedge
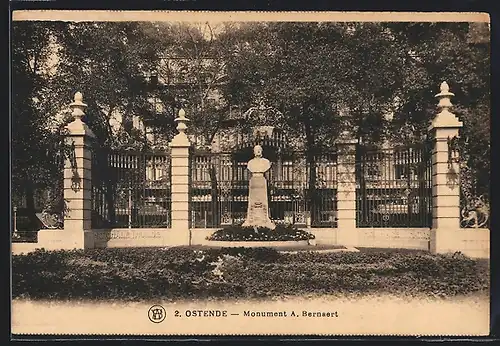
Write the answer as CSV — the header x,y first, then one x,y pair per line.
x,y
184,273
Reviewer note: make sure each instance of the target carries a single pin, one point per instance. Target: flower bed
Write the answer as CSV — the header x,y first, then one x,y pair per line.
x,y
273,244
261,234
186,273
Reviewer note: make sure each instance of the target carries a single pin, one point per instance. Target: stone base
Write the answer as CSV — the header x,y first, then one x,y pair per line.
x,y
347,236
472,242
404,238
323,236
59,239
396,238
143,237
64,239
268,224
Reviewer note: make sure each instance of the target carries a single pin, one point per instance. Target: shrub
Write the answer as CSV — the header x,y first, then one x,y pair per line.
x,y
183,273
280,233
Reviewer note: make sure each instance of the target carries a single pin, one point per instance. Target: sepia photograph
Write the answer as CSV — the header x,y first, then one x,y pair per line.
x,y
222,173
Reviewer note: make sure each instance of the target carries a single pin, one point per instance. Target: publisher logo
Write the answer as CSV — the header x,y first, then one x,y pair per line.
x,y
157,313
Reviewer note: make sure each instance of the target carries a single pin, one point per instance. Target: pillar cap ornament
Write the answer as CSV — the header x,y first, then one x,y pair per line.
x,y
181,139
77,106
181,121
445,118
445,90
77,127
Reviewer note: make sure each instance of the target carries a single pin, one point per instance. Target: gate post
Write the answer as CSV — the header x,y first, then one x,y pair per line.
x,y
77,232
445,177
181,180
347,234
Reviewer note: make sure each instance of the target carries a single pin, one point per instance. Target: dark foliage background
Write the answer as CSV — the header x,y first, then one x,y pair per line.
x,y
312,80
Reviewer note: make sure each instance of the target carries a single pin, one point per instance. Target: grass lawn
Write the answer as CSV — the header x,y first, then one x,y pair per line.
x,y
241,273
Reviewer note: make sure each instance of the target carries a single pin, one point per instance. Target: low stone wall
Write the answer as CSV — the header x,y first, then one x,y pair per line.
x,y
198,235
56,239
405,238
132,237
23,248
324,236
472,242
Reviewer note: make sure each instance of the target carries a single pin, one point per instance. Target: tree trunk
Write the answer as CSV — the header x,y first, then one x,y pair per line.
x,y
311,162
30,202
361,200
110,193
423,198
312,192
214,192
216,217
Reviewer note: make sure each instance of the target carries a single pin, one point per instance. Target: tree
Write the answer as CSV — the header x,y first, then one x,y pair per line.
x,y
192,72
312,80
446,51
110,63
322,78
36,150
327,77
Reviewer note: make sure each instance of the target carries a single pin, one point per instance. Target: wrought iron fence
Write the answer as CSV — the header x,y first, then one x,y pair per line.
x,y
131,189
219,190
394,187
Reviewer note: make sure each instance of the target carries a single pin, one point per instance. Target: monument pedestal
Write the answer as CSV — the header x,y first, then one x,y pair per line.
x,y
258,207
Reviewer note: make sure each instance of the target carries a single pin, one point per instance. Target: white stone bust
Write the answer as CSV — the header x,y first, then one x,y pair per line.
x,y
258,165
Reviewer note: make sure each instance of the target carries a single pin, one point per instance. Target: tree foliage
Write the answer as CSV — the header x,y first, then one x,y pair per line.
x,y
447,52
312,80
110,63
377,78
35,154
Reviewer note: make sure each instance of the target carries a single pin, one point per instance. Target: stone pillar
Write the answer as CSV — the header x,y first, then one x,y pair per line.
x,y
347,234
77,232
181,180
445,177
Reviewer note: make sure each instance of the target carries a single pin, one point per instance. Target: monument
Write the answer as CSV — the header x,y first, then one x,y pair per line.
x,y
258,206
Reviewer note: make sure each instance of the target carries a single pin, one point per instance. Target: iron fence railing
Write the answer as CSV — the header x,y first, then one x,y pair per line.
x,y
219,190
394,187
131,189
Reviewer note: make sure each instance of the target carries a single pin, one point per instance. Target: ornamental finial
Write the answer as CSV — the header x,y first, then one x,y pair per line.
x,y
78,97
78,107
181,120
444,96
444,87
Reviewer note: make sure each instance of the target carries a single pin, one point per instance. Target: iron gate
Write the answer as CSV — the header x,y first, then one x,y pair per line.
x,y
394,187
131,189
219,189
